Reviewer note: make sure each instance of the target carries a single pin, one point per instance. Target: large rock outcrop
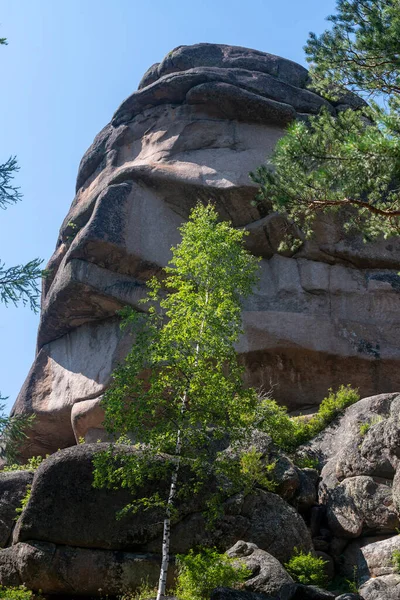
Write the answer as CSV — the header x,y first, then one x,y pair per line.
x,y
200,121
64,483
68,539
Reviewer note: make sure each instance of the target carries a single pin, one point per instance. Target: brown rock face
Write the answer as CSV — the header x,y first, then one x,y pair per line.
x,y
199,122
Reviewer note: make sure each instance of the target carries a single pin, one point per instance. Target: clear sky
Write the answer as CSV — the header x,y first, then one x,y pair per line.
x,y
68,66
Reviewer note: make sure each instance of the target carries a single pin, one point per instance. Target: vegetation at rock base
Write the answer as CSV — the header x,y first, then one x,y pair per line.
x,y
343,585
396,560
145,592
288,433
18,593
307,569
201,572
180,389
304,461
32,464
350,160
24,502
365,427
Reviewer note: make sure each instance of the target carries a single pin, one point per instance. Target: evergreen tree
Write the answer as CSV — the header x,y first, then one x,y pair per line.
x,y
17,284
351,159
180,389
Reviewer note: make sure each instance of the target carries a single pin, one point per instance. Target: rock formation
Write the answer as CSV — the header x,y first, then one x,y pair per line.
x,y
67,539
200,121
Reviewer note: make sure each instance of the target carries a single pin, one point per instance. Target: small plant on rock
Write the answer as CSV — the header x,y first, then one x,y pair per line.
x,y
306,461
396,560
32,464
365,427
24,502
288,432
144,592
201,572
331,407
307,569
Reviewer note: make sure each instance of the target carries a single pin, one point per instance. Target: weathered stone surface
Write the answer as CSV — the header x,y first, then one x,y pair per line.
x,y
381,588
65,509
311,592
306,495
222,593
396,488
13,487
267,574
370,557
360,505
286,477
262,517
68,371
66,570
346,450
201,120
338,439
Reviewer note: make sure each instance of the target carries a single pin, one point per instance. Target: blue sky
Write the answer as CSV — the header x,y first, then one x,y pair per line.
x,y
68,66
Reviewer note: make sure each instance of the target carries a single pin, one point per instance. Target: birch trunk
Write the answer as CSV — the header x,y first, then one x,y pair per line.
x,y
162,582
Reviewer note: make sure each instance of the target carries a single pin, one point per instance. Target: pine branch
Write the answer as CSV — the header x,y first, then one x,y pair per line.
x,y
20,284
9,193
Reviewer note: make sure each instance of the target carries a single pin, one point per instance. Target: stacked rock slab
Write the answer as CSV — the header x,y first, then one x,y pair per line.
x,y
200,121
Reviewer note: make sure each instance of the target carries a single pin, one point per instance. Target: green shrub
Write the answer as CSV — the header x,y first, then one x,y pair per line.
x,y
331,407
365,427
32,464
254,472
307,569
18,593
24,502
306,461
342,585
396,560
145,592
289,433
201,572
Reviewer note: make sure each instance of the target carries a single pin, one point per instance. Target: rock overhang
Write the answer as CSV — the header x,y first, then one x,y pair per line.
x,y
201,120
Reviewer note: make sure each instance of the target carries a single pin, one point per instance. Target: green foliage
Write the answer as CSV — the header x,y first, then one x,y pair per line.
x,y
21,284
290,432
342,585
9,193
254,472
201,572
32,464
396,560
17,284
331,407
13,431
365,427
18,593
307,569
361,50
348,161
145,592
305,461
24,502
181,383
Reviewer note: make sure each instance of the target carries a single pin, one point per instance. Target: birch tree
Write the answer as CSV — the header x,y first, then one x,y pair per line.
x,y
180,388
